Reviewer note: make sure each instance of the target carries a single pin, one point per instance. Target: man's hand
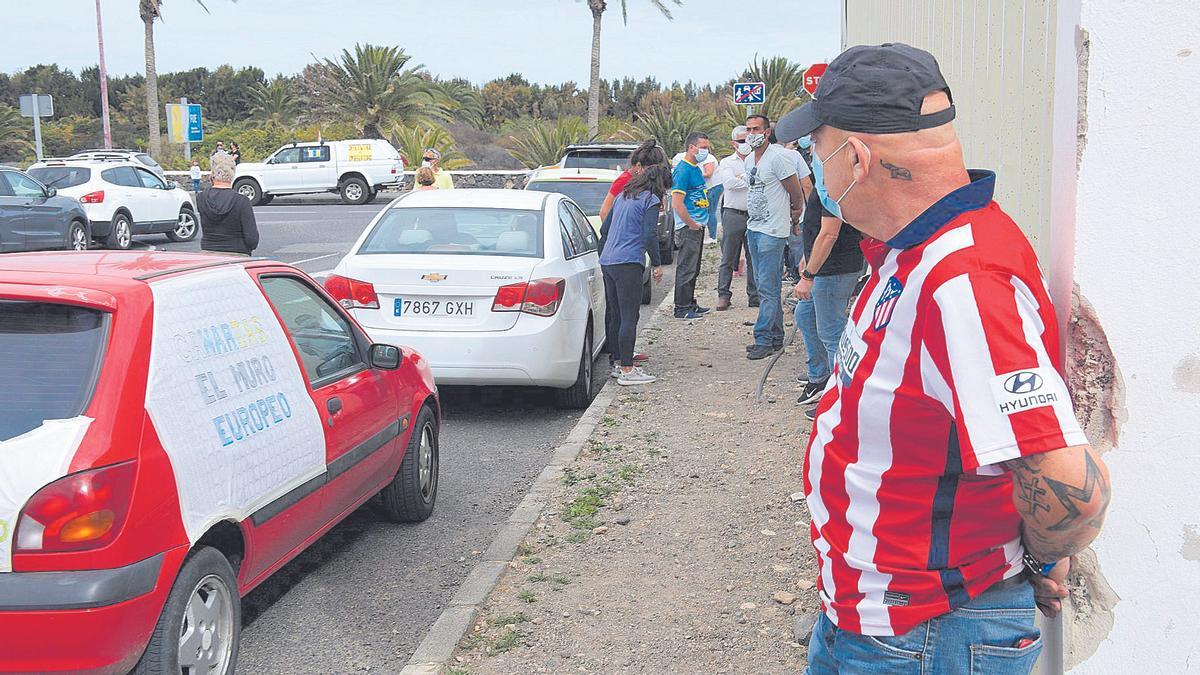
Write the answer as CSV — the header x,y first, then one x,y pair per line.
x,y
1049,591
656,274
803,290
693,225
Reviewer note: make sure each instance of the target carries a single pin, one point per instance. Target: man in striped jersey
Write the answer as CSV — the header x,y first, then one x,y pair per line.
x,y
947,478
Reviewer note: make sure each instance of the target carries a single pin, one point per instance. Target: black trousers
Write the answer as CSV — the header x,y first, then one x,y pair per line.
x,y
687,267
623,291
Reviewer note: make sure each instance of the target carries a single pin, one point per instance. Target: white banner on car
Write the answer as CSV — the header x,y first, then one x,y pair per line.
x,y
27,464
227,398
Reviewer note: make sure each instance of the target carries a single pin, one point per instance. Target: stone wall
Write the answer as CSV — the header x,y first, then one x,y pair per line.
x,y
510,180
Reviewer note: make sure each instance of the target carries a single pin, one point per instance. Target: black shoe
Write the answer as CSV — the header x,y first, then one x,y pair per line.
x,y
811,414
777,346
762,352
754,303
812,392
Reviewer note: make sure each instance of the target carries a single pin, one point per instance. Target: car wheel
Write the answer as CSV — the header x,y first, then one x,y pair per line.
x,y
248,188
77,237
354,191
579,395
185,228
410,497
121,236
201,623
647,291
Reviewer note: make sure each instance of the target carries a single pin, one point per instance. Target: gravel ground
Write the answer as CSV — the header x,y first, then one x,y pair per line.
x,y
676,542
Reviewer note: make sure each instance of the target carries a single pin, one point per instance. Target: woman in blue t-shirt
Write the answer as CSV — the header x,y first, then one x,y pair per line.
x,y
630,234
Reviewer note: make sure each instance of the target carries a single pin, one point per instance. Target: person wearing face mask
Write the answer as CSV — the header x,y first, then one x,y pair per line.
x,y
774,202
708,168
947,477
731,172
441,179
689,200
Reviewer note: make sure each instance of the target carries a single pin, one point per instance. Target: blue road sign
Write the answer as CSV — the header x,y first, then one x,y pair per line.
x,y
749,93
195,124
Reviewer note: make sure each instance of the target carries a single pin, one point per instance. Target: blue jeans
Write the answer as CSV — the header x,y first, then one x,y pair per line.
x,y
767,252
714,201
979,637
195,186
822,319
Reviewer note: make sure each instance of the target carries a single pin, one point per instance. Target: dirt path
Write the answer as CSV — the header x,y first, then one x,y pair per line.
x,y
673,544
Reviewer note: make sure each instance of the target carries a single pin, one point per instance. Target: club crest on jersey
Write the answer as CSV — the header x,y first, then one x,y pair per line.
x,y
887,303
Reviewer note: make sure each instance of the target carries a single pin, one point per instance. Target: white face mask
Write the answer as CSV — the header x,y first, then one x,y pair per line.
x,y
756,140
426,164
743,148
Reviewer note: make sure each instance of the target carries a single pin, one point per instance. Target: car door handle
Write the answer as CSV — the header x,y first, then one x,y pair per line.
x,y
334,405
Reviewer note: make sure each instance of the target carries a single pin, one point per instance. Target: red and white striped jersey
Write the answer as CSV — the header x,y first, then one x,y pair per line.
x,y
947,368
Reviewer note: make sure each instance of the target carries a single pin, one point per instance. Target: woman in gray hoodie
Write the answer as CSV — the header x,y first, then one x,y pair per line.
x,y
226,218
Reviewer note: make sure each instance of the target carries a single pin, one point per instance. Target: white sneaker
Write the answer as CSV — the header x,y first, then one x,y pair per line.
x,y
635,376
616,371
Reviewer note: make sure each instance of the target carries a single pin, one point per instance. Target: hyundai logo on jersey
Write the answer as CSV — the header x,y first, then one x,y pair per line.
x,y
1023,383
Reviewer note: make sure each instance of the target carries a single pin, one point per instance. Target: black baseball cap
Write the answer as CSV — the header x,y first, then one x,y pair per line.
x,y
872,89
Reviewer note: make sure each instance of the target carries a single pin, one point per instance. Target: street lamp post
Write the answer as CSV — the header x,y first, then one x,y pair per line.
x,y
103,83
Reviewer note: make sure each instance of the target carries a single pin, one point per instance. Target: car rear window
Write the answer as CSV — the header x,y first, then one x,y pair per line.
x,y
597,159
49,359
457,231
61,176
588,194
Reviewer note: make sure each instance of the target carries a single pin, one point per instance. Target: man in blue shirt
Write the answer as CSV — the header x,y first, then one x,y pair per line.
x,y
689,199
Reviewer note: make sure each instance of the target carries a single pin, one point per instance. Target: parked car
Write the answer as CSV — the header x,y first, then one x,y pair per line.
x,y
176,428
491,286
122,198
136,155
612,156
34,217
587,188
357,170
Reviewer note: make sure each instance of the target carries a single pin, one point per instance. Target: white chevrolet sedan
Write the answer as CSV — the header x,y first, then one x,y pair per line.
x,y
492,287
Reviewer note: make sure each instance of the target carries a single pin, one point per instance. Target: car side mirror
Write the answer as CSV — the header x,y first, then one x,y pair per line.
x,y
385,357
171,185
51,192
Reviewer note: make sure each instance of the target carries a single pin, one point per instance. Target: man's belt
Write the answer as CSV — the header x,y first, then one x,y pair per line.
x,y
738,211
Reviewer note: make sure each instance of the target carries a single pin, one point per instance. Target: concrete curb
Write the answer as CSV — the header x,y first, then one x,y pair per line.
x,y
437,649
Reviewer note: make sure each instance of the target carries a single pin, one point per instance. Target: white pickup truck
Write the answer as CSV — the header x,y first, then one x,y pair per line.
x,y
356,169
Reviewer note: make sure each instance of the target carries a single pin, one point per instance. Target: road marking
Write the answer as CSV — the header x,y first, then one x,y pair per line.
x,y
320,257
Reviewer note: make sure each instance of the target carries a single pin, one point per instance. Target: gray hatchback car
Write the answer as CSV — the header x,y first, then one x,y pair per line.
x,y
34,217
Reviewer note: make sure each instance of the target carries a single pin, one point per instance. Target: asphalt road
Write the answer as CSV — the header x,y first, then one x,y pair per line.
x,y
363,597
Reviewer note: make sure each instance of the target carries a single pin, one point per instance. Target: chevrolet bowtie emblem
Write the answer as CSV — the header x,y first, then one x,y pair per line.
x,y
433,277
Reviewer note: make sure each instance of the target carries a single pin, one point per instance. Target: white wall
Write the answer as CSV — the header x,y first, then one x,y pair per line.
x,y
1137,250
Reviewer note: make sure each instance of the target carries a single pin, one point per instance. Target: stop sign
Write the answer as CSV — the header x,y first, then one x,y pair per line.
x,y
812,77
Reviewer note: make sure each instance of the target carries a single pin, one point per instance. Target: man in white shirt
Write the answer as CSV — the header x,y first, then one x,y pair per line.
x,y
731,175
774,202
713,187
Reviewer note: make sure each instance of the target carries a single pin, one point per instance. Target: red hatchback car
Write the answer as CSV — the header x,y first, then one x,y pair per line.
x,y
174,429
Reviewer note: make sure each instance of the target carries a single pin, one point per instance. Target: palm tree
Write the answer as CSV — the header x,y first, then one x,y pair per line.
x,y
276,101
13,134
373,88
468,99
785,91
150,11
597,8
671,127
541,143
412,142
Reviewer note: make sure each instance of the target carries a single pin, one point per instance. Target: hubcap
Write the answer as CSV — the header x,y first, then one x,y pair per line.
x,y
206,634
425,461
187,224
124,238
246,191
78,239
354,192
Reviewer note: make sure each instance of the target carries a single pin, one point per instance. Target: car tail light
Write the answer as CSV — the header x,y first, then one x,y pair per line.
x,y
79,512
352,293
96,197
540,297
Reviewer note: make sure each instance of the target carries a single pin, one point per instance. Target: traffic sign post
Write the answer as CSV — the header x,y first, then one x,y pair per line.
x,y
185,124
812,77
37,106
749,93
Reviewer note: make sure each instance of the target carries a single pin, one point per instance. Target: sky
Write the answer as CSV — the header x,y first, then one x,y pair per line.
x,y
548,41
